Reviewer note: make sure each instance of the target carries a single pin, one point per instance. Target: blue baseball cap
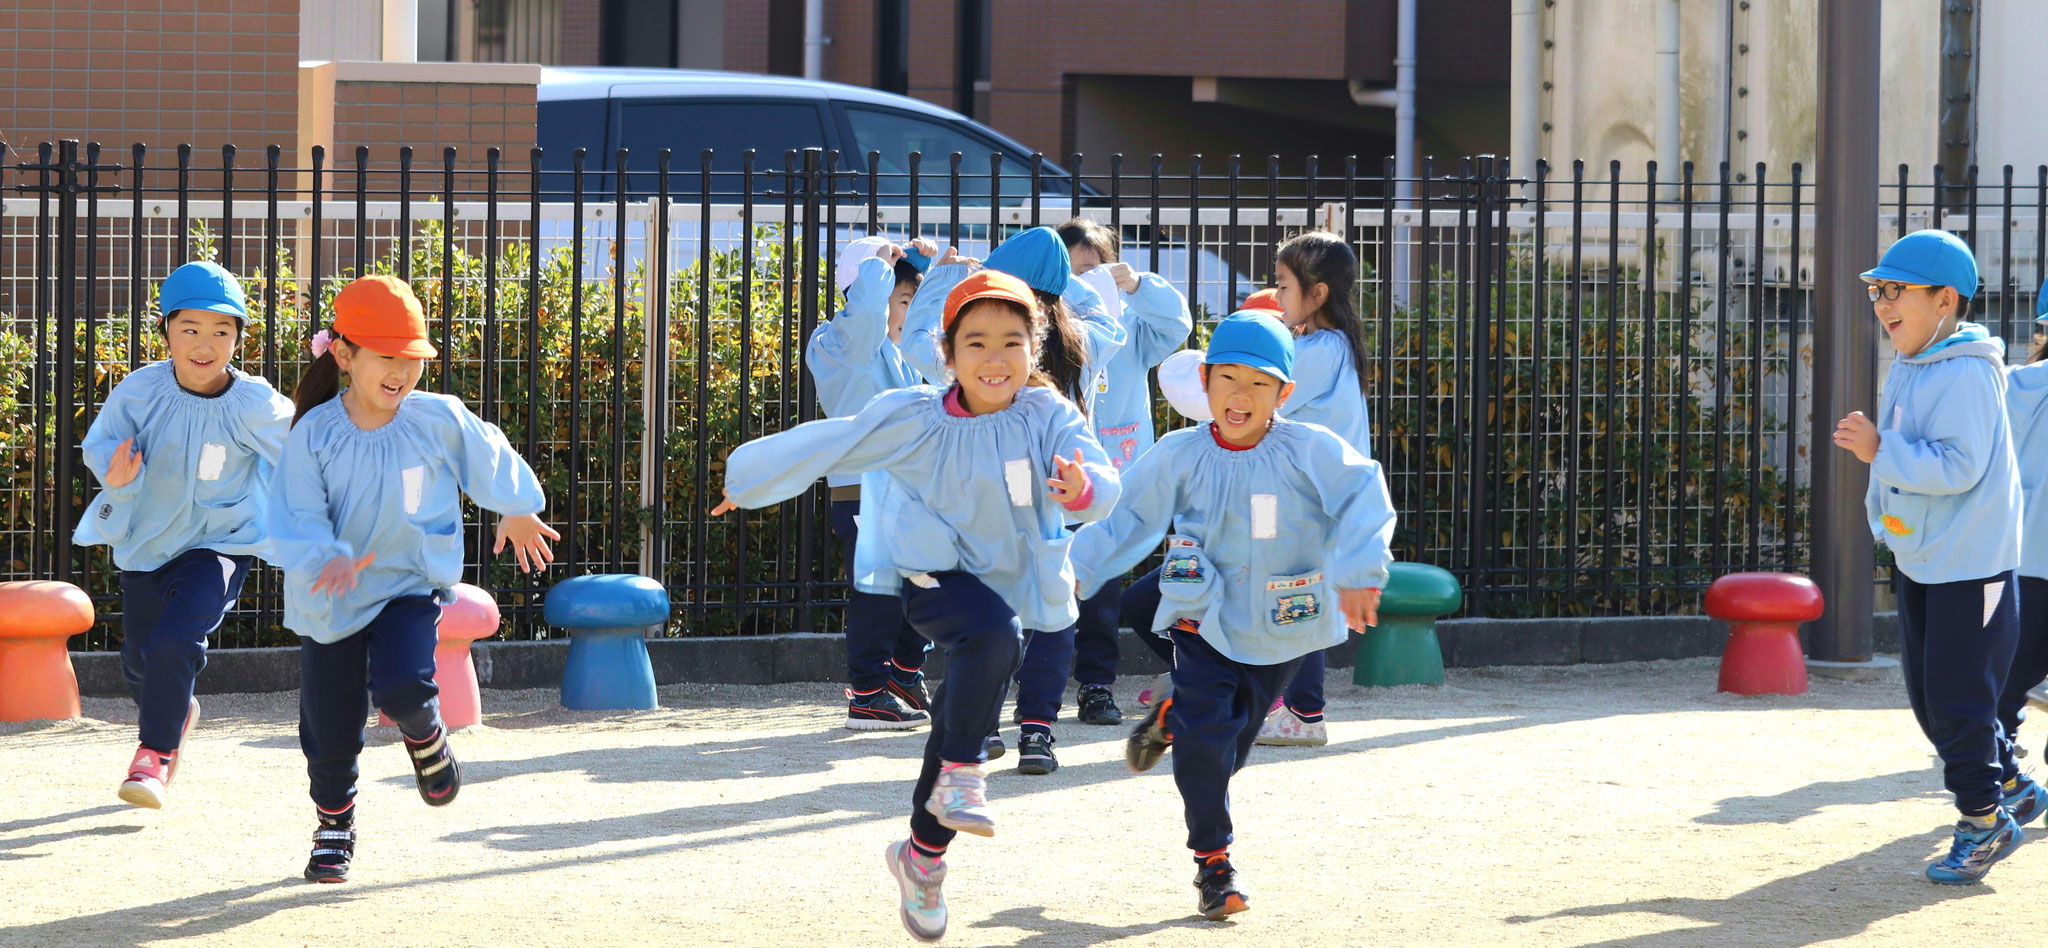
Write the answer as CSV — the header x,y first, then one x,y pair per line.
x,y
1038,257
1931,258
1255,338
202,286
918,261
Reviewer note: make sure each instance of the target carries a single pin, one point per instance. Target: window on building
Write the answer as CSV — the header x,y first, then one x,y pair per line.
x,y
892,46
640,33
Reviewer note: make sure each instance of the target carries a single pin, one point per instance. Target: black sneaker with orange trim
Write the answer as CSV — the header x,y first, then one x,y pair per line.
x,y
1217,880
1149,741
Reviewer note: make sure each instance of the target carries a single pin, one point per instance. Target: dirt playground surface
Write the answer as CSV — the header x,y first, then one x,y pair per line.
x,y
1594,805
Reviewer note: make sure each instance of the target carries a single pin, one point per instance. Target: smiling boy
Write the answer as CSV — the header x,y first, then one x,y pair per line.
x,y
1280,536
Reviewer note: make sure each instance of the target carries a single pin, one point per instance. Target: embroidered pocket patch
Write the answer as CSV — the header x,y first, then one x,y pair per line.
x,y
1895,526
1183,562
1300,607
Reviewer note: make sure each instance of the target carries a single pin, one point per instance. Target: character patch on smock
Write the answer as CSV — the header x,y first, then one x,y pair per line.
x,y
1292,607
1895,526
1183,562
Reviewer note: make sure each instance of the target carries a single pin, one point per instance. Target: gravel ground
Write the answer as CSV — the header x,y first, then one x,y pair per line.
x,y
1591,805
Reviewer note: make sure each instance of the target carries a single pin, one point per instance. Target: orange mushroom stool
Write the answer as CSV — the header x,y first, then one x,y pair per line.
x,y
36,679
471,615
1763,612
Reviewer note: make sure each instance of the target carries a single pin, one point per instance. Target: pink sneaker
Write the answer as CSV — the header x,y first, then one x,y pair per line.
x,y
1283,728
147,775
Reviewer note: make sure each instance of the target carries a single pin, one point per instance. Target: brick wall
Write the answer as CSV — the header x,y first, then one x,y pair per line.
x,y
850,56
472,117
199,72
582,33
746,36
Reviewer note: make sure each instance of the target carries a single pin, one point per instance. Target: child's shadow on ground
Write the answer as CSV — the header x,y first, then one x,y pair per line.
x,y
1056,931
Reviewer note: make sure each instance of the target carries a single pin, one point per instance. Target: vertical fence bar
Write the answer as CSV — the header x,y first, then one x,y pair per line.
x,y
1481,541
1575,339
66,300
914,196
227,207
138,256
1610,383
42,504
1718,555
447,267
91,264
875,199
953,164
786,328
487,377
313,294
573,536
1230,248
532,354
1073,185
808,313
1152,242
2005,282
656,422
1681,553
995,201
617,369
1755,388
1539,369
1788,549
184,234
1647,398
403,246
271,157
1385,303
746,298
1037,186
362,209
1194,239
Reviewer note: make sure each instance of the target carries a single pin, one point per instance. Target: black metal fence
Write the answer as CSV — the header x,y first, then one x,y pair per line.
x,y
1590,390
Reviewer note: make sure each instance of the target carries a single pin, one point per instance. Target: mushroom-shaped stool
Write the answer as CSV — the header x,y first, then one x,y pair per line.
x,y
1763,612
36,679
1403,648
608,616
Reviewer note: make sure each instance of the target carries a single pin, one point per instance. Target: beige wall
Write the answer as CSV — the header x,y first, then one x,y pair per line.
x,y
1602,104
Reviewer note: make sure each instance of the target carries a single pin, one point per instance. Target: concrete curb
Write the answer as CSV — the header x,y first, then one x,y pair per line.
x,y
773,659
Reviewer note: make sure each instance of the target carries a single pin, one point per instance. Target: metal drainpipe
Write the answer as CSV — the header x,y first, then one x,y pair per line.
x,y
1526,86
814,39
1404,139
1667,94
401,31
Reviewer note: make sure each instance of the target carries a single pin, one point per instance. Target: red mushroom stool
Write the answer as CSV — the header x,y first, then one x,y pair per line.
x,y
1763,612
471,615
36,680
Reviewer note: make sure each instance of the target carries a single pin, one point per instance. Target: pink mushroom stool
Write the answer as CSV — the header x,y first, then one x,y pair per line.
x,y
472,615
36,679
1763,612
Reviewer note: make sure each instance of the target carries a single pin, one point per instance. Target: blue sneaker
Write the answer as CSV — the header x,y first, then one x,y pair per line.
x,y
1975,851
2025,800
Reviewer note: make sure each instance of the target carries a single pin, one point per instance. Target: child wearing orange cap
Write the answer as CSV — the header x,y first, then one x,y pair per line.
x,y
967,489
366,518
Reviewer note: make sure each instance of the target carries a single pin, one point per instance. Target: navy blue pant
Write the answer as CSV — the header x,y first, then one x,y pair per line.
x,y
1095,648
1140,606
1305,692
166,615
876,634
984,644
1218,705
2029,662
1042,675
392,659
1956,661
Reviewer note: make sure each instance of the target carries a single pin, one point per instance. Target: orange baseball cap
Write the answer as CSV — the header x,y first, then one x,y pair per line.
x,y
987,285
380,313
1266,299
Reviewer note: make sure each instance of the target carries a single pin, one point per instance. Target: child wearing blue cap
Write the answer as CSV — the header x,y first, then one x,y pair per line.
x,y
1157,321
968,526
184,450
1080,342
1280,536
1945,497
853,358
2026,405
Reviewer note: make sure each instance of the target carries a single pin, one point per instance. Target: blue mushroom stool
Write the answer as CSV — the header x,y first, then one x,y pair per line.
x,y
608,669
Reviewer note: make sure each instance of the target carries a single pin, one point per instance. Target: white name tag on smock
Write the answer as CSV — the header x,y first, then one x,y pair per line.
x,y
415,479
1265,516
212,458
1017,475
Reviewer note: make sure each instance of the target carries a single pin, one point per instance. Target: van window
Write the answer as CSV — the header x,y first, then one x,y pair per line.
x,y
895,135
727,128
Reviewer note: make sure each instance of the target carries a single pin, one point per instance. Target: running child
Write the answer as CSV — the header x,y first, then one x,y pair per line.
x,y
853,358
1277,537
366,515
2026,405
184,450
1945,496
1081,342
1156,323
967,491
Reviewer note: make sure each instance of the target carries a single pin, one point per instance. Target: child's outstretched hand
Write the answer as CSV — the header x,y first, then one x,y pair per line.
x,y
890,253
126,465
1125,277
924,246
1857,435
529,537
1361,607
724,507
1069,478
339,575
953,256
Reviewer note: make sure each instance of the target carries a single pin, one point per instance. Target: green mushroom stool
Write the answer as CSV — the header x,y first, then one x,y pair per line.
x,y
1402,649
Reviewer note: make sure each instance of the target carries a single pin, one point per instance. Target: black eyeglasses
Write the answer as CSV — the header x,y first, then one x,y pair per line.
x,y
1891,291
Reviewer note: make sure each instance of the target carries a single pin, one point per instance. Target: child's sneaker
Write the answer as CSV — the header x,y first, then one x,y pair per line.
x,y
1974,851
923,908
434,768
2025,799
1034,753
994,747
881,710
1286,729
1150,740
1098,706
148,774
909,686
960,800
334,844
1217,880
